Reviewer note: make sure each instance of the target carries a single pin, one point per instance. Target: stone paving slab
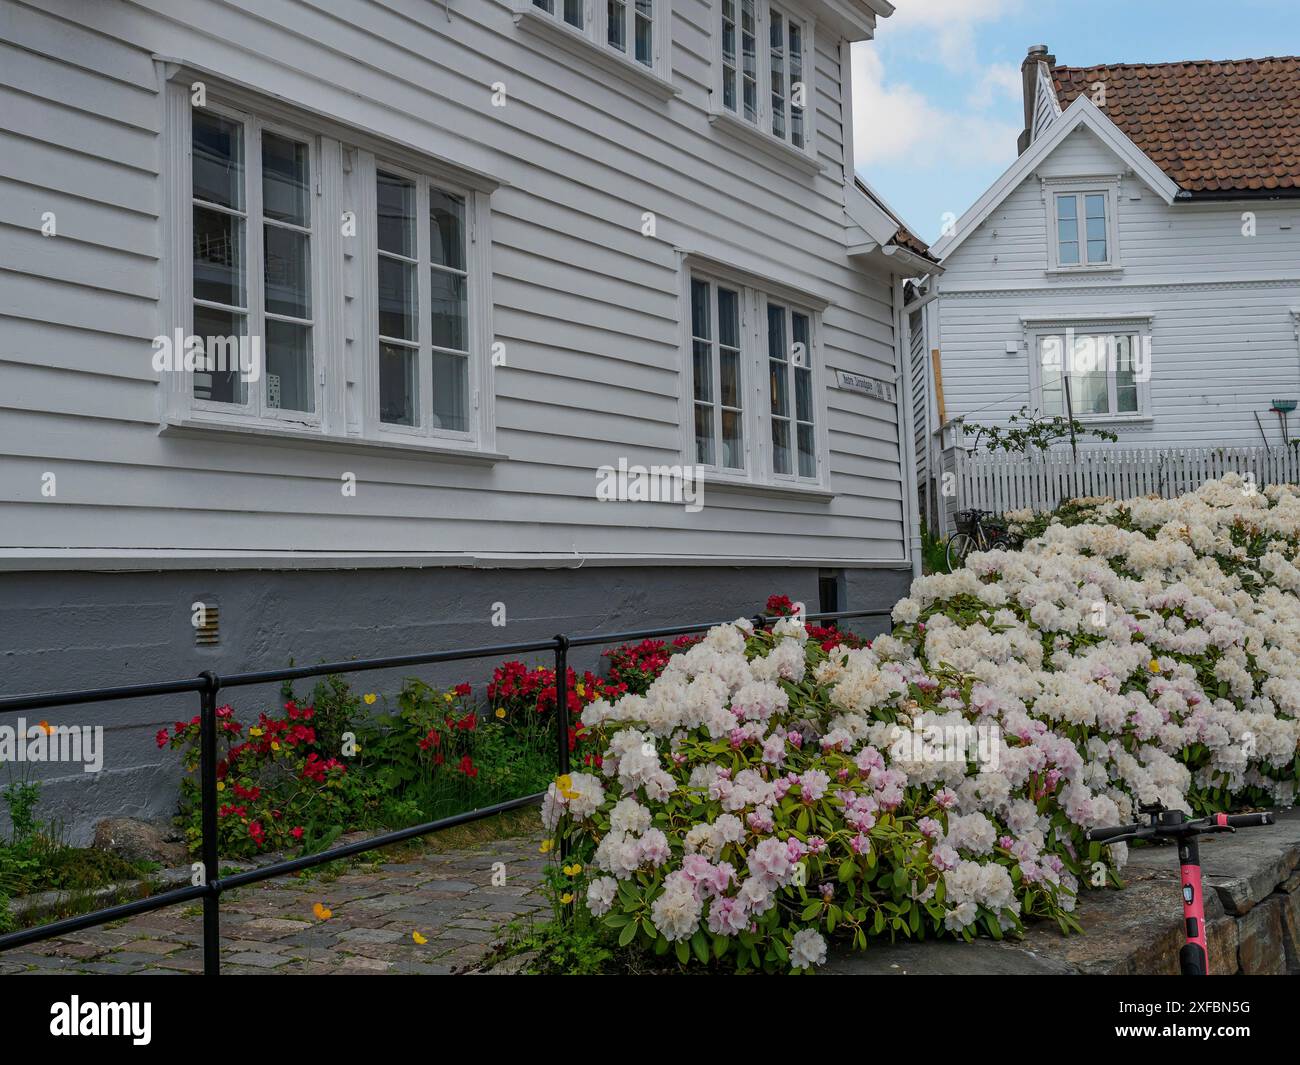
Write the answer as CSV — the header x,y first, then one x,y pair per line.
x,y
270,928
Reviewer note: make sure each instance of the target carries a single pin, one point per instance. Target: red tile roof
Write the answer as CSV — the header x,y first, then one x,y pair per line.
x,y
1212,126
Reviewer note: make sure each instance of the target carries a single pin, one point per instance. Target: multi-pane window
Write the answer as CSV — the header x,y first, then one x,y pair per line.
x,y
570,10
375,325
740,58
785,40
1102,370
772,439
794,441
423,282
1082,232
632,20
763,55
252,267
715,359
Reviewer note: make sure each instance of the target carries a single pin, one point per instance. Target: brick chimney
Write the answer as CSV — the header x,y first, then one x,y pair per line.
x,y
1038,53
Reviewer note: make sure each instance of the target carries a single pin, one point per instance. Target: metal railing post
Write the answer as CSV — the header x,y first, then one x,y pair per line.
x,y
562,715
562,698
208,806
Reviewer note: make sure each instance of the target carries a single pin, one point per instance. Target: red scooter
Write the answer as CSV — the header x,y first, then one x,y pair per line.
x,y
1171,825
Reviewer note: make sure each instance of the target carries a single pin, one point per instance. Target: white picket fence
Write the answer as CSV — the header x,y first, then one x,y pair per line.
x,y
999,482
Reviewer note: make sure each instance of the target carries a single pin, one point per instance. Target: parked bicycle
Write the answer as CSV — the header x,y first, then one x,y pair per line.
x,y
974,533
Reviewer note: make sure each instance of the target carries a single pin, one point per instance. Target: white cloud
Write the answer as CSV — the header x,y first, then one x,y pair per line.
x,y
895,123
947,25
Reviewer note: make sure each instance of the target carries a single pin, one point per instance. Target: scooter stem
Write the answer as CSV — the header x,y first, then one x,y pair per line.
x,y
1194,957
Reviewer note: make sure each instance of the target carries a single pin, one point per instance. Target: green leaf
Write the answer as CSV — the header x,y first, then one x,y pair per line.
x,y
628,934
700,944
683,951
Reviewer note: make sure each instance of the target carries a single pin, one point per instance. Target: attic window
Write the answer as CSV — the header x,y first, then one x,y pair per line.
x,y
1083,233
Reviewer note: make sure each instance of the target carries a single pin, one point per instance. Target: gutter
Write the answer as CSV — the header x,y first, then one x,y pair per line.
x,y
906,432
1221,195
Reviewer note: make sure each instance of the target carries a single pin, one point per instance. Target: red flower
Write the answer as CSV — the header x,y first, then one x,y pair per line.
x,y
162,737
297,832
461,689
467,767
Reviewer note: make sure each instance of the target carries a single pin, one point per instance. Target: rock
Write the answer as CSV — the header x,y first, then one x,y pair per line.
x,y
140,841
1290,906
1222,944
1259,949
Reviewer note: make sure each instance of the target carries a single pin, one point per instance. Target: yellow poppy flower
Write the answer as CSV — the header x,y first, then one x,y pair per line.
x,y
275,745
370,698
419,938
546,846
1154,666
566,898
572,870
254,731
322,912
501,711
221,785
446,696
581,689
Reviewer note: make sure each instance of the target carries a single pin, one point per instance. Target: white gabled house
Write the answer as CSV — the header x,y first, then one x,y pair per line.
x,y
484,250
1143,250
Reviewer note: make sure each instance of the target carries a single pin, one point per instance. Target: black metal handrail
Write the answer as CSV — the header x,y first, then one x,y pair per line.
x,y
208,684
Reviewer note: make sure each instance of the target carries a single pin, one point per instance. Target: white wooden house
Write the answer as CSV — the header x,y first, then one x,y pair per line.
x,y
1143,249
488,248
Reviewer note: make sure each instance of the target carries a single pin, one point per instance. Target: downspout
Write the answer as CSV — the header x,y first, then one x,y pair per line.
x,y
907,436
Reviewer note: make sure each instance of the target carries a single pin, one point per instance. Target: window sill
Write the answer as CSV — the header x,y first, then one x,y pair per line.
x,y
198,428
1118,420
557,31
1066,271
765,142
782,490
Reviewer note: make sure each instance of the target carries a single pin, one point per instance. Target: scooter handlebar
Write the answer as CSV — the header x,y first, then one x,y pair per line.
x,y
1101,835
1250,820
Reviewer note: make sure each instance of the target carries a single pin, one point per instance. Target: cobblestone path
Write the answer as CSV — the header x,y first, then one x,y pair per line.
x,y
447,897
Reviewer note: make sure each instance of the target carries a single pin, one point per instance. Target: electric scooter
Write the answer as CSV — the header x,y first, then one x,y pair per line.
x,y
1171,825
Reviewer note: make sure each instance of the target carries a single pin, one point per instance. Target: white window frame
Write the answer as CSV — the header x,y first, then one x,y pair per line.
x,y
754,296
1138,327
759,131
477,310
1081,189
344,297
591,41
255,407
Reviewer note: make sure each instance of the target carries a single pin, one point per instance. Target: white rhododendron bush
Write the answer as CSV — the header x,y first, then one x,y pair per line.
x,y
766,797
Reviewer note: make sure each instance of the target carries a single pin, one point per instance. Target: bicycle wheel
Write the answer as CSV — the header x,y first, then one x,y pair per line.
x,y
959,546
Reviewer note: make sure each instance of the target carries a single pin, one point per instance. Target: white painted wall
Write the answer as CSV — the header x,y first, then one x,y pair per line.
x,y
1224,341
588,306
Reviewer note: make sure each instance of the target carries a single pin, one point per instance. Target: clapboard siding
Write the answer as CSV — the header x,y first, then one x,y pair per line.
x,y
588,307
1223,338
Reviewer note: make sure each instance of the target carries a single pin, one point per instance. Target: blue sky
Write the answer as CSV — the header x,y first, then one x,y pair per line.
x,y
937,95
